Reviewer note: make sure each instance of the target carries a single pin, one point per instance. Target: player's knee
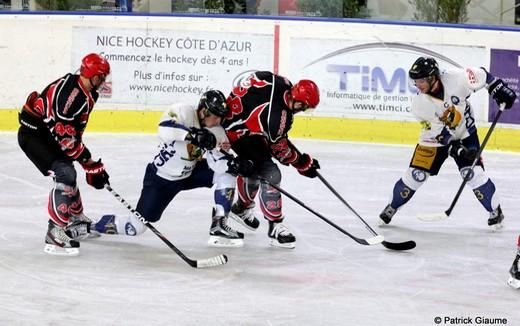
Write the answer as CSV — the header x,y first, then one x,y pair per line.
x,y
415,178
64,173
134,227
476,178
272,174
224,180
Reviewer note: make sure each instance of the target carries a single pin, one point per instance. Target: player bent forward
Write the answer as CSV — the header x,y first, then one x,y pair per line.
x,y
261,115
449,129
187,134
50,134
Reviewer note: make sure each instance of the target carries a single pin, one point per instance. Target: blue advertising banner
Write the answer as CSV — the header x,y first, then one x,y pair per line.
x,y
505,64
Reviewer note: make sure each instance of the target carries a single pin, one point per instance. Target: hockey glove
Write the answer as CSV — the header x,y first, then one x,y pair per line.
x,y
307,166
203,138
451,117
501,93
457,150
444,137
242,167
96,175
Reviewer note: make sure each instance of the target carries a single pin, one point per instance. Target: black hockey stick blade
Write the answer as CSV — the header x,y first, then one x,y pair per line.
x,y
400,246
406,245
376,239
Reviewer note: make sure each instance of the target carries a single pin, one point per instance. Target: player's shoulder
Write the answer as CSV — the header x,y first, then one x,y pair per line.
x,y
180,110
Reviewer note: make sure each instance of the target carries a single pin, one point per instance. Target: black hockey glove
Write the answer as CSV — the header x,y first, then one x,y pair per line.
x,y
242,167
96,175
457,150
203,138
501,93
307,166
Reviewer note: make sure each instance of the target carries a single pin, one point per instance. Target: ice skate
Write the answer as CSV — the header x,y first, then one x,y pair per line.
x,y
495,219
280,236
386,215
59,242
244,215
222,235
514,271
88,232
106,225
514,279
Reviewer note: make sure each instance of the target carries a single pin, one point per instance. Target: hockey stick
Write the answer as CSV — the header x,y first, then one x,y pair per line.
x,y
199,263
367,242
444,215
407,245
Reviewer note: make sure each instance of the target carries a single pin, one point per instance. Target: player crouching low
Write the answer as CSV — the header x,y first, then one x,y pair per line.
x,y
189,157
50,134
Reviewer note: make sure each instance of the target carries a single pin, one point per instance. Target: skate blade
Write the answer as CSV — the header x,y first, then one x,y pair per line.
x,y
496,227
215,241
59,251
514,283
275,243
383,223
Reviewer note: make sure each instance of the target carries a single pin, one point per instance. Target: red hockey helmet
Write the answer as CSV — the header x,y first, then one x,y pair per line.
x,y
306,91
93,64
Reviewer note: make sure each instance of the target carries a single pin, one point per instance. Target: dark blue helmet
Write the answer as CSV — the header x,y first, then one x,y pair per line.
x,y
424,67
215,102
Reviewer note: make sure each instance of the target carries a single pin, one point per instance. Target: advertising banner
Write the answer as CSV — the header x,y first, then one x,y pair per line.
x,y
505,64
157,67
370,80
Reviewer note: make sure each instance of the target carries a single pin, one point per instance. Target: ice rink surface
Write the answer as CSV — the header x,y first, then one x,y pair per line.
x,y
459,268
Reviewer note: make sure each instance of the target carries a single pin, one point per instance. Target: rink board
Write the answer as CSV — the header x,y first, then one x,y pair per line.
x,y
326,128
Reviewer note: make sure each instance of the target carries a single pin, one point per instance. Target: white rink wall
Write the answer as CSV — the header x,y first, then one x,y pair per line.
x,y
42,47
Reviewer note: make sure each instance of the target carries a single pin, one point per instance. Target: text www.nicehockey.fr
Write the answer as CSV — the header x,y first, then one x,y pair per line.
x,y
479,320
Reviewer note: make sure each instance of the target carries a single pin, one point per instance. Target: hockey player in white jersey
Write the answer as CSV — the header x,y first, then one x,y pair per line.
x,y
449,129
189,157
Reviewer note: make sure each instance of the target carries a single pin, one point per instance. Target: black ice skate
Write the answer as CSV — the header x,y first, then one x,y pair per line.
x,y
514,271
280,236
222,235
244,215
59,242
495,219
387,214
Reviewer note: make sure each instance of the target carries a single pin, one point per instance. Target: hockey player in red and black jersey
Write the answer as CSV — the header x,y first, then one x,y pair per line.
x,y
260,115
51,129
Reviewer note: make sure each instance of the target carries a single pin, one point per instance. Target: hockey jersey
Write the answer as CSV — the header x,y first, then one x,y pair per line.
x,y
258,107
64,107
177,157
458,85
258,110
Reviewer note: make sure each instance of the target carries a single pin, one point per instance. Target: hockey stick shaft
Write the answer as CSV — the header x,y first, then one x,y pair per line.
x,y
477,158
390,245
371,241
209,262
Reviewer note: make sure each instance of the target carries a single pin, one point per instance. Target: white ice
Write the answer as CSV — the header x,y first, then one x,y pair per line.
x,y
459,268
